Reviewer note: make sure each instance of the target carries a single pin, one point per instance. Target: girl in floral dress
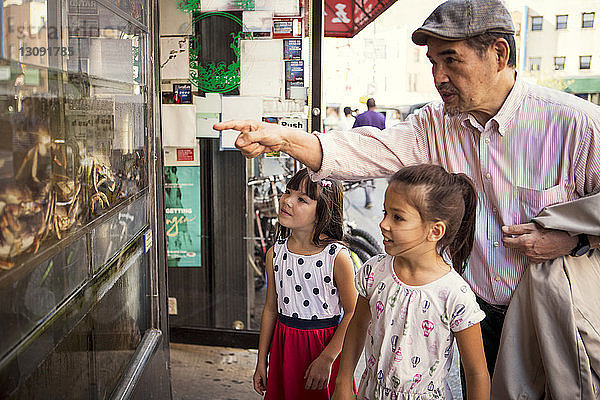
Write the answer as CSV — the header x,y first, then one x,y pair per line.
x,y
412,304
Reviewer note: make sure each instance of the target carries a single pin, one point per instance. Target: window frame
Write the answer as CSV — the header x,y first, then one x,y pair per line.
x,y
564,61
539,64
589,64
534,25
559,25
591,22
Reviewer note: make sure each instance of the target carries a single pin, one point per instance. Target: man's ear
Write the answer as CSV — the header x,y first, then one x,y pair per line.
x,y
501,51
437,231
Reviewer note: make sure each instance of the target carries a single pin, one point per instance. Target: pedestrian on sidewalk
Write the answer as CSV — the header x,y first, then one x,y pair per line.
x,y
377,120
310,294
412,304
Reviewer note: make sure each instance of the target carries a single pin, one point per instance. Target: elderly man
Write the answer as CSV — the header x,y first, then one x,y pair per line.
x,y
524,146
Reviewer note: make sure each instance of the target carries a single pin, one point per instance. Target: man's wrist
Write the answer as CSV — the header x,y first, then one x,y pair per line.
x,y
594,241
582,247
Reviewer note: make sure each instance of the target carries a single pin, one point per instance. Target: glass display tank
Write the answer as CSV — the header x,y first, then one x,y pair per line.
x,y
80,248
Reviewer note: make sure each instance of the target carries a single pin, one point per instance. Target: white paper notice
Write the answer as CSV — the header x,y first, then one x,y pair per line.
x,y
208,112
262,70
260,23
209,104
179,125
174,57
238,107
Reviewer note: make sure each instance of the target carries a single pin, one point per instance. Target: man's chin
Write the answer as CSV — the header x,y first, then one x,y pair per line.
x,y
452,110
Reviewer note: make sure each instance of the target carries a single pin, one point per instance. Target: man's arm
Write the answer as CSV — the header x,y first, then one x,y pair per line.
x,y
257,138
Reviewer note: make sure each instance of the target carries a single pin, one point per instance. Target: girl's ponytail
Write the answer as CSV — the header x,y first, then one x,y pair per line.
x,y
461,246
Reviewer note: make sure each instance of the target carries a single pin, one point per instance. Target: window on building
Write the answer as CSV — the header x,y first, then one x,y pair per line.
x,y
559,63
11,24
536,23
535,63
561,21
587,20
585,62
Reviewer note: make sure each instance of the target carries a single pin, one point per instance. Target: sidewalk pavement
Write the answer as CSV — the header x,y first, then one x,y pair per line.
x,y
206,372
225,373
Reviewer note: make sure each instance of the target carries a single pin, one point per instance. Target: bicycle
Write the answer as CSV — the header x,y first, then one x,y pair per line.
x,y
362,244
266,192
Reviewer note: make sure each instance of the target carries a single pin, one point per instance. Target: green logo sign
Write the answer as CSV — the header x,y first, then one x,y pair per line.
x,y
216,77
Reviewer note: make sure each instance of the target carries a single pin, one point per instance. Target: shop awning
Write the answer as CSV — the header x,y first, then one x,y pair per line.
x,y
583,85
345,18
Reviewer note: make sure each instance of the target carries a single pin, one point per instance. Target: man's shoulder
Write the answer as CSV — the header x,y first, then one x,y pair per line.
x,y
553,100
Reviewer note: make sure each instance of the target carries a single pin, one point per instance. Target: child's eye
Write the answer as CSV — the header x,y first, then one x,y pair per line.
x,y
302,199
398,217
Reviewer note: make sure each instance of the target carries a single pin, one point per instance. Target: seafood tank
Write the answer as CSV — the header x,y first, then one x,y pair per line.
x,y
78,200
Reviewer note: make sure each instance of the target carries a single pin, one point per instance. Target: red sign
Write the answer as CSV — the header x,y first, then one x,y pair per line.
x,y
185,154
345,18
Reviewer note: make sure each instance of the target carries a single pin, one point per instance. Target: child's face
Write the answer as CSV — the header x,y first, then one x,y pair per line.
x,y
403,230
297,210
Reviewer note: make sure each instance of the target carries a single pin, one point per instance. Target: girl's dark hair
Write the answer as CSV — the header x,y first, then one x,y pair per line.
x,y
441,196
330,208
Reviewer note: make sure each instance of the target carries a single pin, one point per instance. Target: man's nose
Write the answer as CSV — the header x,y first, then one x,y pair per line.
x,y
439,75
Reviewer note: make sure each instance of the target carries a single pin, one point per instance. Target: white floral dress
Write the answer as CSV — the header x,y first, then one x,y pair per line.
x,y
408,349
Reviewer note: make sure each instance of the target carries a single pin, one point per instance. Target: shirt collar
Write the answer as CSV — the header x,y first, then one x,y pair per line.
x,y
507,112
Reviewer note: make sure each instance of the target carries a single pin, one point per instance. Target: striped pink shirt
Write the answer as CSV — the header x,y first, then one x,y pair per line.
x,y
541,148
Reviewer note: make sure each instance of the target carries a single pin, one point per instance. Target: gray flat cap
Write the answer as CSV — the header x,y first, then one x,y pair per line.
x,y
462,19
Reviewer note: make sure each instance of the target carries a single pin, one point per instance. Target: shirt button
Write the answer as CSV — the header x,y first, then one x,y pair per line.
x,y
498,279
496,244
487,140
488,176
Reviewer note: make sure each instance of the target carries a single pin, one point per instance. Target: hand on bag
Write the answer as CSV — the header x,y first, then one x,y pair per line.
x,y
537,243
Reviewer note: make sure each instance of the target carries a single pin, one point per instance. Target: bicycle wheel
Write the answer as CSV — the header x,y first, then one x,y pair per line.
x,y
367,236
358,243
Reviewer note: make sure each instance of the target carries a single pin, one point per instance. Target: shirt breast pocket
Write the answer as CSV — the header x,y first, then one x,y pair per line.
x,y
532,201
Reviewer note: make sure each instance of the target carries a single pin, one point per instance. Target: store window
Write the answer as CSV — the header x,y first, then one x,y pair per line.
x,y
587,19
75,188
585,62
561,21
239,60
559,63
536,23
535,63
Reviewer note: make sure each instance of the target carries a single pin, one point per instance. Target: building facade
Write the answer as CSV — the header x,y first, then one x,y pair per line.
x,y
559,46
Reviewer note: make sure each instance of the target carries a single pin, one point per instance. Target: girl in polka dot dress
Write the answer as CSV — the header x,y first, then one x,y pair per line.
x,y
310,294
412,304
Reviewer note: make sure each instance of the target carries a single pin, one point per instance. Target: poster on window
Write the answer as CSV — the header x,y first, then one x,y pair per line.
x,y
182,213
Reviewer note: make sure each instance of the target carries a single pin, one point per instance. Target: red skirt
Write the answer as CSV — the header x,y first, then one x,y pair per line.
x,y
292,351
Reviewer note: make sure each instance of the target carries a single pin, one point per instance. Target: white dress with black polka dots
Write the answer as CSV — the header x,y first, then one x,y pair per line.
x,y
305,285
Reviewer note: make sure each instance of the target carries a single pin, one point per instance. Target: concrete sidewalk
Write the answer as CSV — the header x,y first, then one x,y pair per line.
x,y
205,372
